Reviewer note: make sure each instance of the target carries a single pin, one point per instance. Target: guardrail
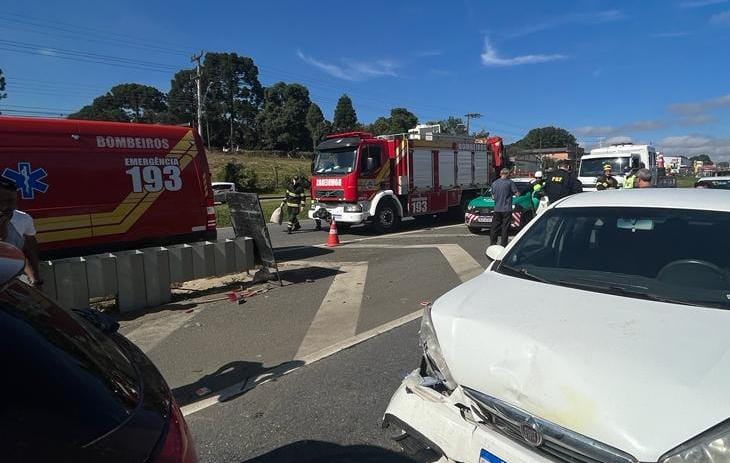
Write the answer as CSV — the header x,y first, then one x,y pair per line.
x,y
142,278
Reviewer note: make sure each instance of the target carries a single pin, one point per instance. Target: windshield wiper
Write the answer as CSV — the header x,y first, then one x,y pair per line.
x,y
620,290
526,273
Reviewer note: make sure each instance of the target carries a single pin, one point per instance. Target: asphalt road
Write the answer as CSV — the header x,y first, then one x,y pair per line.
x,y
321,328
328,411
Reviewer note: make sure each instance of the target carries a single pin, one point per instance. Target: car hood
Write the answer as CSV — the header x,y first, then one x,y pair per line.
x,y
638,375
482,201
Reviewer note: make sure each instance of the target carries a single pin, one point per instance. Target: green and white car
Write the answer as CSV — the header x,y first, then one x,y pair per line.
x,y
480,211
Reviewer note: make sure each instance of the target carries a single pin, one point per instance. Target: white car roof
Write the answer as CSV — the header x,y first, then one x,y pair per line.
x,y
672,198
222,183
522,179
724,177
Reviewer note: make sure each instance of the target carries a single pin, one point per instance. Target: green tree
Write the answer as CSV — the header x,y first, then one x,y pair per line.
x,y
126,103
345,119
380,126
283,121
452,125
244,178
546,137
401,120
706,160
233,96
317,125
182,99
2,86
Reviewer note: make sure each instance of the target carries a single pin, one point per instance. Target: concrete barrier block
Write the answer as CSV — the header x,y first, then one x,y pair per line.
x,y
130,281
102,275
48,275
72,287
244,253
157,276
225,257
203,259
181,263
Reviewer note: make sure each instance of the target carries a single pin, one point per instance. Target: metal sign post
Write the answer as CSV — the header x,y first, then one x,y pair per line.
x,y
248,220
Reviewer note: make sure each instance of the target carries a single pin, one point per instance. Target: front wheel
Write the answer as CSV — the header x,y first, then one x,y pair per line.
x,y
386,219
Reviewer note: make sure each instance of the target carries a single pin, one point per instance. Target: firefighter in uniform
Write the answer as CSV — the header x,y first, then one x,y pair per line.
x,y
606,181
561,183
295,202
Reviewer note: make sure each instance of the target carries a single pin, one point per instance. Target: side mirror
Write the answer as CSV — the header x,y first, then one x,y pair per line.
x,y
370,165
495,252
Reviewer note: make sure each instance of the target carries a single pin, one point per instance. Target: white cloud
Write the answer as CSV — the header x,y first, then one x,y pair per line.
x,y
670,35
47,51
607,130
354,70
690,145
491,58
698,107
618,139
576,18
700,3
698,119
720,19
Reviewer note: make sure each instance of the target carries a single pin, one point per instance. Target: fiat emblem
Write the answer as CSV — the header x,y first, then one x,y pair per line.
x,y
531,434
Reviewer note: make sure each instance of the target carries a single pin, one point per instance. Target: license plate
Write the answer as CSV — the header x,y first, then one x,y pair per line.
x,y
486,218
488,457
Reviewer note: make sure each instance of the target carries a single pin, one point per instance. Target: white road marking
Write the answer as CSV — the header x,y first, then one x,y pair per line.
x,y
465,266
154,331
244,386
337,317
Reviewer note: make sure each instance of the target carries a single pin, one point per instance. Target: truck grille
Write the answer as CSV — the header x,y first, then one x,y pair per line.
x,y
330,194
554,442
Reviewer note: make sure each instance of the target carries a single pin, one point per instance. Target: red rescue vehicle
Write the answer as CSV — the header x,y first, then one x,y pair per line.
x,y
103,186
359,178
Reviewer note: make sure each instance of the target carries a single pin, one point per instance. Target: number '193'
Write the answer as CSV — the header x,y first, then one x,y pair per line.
x,y
155,178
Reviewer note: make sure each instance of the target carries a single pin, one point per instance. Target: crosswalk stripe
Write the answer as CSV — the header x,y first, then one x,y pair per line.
x,y
337,316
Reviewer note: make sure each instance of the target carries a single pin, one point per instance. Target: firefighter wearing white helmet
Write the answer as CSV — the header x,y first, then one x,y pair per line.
x,y
537,182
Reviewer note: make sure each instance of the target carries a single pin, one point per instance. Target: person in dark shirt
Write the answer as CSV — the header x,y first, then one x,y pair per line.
x,y
503,189
561,183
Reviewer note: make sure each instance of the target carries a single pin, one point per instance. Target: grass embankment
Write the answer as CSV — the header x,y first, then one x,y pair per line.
x,y
272,173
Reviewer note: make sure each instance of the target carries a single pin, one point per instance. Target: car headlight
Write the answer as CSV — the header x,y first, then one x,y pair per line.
x,y
470,207
712,446
432,351
353,208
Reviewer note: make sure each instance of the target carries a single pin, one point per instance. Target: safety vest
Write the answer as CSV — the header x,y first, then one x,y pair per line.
x,y
629,181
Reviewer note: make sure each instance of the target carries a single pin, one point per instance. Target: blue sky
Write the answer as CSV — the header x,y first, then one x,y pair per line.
x,y
648,71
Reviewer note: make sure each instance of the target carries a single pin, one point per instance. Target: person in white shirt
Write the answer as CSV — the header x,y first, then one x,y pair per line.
x,y
16,228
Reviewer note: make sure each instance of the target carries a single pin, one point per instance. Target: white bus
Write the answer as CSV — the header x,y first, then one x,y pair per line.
x,y
622,158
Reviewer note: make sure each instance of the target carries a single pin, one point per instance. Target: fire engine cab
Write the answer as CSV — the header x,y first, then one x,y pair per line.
x,y
358,178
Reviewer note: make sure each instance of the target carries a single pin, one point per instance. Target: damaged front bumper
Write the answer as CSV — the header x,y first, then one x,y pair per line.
x,y
448,427
337,211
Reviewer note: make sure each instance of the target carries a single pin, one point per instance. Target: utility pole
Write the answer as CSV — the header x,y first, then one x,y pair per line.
x,y
196,58
469,117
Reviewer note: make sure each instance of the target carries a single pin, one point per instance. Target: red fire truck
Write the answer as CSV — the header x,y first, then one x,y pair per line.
x,y
358,178
102,186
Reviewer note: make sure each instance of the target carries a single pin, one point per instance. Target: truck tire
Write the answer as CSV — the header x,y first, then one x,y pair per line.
x,y
386,219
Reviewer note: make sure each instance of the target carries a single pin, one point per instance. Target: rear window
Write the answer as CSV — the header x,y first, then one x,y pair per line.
x,y
64,382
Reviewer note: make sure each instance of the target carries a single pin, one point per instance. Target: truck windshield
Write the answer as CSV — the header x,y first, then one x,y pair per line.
x,y
594,167
629,251
335,162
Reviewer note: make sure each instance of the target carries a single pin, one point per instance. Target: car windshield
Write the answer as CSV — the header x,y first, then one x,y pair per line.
x,y
63,374
523,187
594,167
634,252
334,162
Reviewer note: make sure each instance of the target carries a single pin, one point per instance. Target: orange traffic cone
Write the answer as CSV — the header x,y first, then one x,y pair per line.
x,y
333,239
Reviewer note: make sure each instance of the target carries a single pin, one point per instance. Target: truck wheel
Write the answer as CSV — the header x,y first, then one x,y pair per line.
x,y
386,219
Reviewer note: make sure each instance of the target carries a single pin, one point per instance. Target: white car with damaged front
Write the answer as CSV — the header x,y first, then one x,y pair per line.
x,y
599,335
